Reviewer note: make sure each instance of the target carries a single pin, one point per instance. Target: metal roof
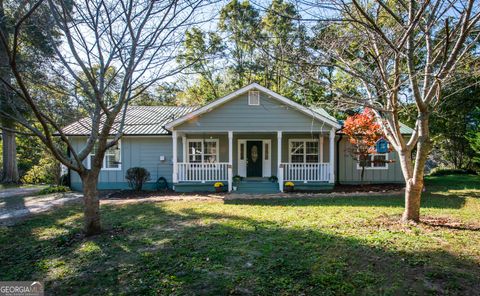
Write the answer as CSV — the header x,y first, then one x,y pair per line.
x,y
322,112
139,120
404,129
151,120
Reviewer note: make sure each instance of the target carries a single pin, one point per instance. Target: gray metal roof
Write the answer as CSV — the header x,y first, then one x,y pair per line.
x,y
150,120
405,129
322,112
139,120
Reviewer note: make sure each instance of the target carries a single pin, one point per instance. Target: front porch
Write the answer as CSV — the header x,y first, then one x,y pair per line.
x,y
202,158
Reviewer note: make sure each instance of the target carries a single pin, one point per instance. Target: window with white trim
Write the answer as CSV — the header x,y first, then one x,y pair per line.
x,y
378,161
205,151
111,159
254,98
304,151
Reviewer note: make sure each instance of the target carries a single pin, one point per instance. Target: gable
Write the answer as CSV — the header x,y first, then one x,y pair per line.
x,y
270,115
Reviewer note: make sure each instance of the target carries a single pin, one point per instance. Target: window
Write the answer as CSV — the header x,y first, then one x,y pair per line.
x,y
304,151
111,160
375,161
203,150
242,151
266,151
254,98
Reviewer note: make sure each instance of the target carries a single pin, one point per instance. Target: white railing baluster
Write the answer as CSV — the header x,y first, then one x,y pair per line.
x,y
316,172
199,172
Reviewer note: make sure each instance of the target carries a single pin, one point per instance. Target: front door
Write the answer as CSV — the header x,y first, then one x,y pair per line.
x,y
254,158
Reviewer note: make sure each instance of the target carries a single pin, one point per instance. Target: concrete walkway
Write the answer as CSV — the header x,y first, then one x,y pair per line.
x,y
20,191
19,203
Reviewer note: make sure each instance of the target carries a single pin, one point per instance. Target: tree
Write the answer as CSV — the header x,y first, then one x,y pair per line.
x,y
363,132
242,23
202,51
280,36
396,53
473,138
130,43
32,54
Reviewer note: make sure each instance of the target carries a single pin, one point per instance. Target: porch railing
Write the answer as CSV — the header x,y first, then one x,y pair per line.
x,y
306,172
202,172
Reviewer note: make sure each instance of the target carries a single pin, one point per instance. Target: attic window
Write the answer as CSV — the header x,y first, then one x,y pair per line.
x,y
254,98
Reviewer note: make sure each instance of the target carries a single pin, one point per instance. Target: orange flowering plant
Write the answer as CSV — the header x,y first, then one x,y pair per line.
x,y
363,132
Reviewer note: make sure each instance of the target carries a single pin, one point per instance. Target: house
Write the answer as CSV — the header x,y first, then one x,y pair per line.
x,y
252,132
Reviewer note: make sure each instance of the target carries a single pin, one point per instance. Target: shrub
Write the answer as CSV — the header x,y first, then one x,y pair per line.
x,y
218,185
47,171
289,184
273,179
237,179
54,189
448,171
162,183
136,177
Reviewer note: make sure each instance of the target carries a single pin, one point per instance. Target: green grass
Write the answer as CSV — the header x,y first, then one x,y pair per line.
x,y
327,246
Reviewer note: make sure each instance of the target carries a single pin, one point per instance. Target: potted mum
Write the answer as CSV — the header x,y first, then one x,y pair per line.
x,y
289,186
218,186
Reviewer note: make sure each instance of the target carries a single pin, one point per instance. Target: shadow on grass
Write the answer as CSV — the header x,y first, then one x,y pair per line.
x,y
152,250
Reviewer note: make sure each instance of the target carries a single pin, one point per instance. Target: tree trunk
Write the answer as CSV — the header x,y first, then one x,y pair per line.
x,y
414,173
413,194
92,223
9,151
362,176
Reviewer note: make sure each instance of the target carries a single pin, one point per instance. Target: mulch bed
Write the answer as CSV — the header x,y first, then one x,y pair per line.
x,y
368,188
131,194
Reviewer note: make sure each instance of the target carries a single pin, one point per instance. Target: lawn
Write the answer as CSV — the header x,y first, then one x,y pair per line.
x,y
325,246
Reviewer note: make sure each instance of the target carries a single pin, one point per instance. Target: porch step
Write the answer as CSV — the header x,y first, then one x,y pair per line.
x,y
194,187
257,186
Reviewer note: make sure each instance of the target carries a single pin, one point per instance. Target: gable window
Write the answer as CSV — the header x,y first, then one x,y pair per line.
x,y
378,161
254,98
304,151
205,151
111,159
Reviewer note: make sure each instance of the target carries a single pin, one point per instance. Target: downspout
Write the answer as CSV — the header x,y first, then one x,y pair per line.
x,y
337,162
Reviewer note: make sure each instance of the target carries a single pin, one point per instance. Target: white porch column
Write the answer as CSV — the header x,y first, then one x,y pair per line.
x,y
174,158
184,148
331,151
279,161
321,148
230,160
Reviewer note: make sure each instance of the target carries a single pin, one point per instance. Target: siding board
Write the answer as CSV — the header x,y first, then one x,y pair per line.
x,y
270,115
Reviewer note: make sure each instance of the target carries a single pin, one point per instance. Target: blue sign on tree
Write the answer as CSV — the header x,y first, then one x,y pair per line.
x,y
381,146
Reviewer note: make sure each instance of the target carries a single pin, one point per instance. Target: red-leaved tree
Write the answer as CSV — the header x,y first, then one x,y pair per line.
x,y
363,132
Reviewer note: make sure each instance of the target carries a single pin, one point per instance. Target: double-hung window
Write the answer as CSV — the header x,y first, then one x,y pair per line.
x,y
377,161
111,159
304,151
205,151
